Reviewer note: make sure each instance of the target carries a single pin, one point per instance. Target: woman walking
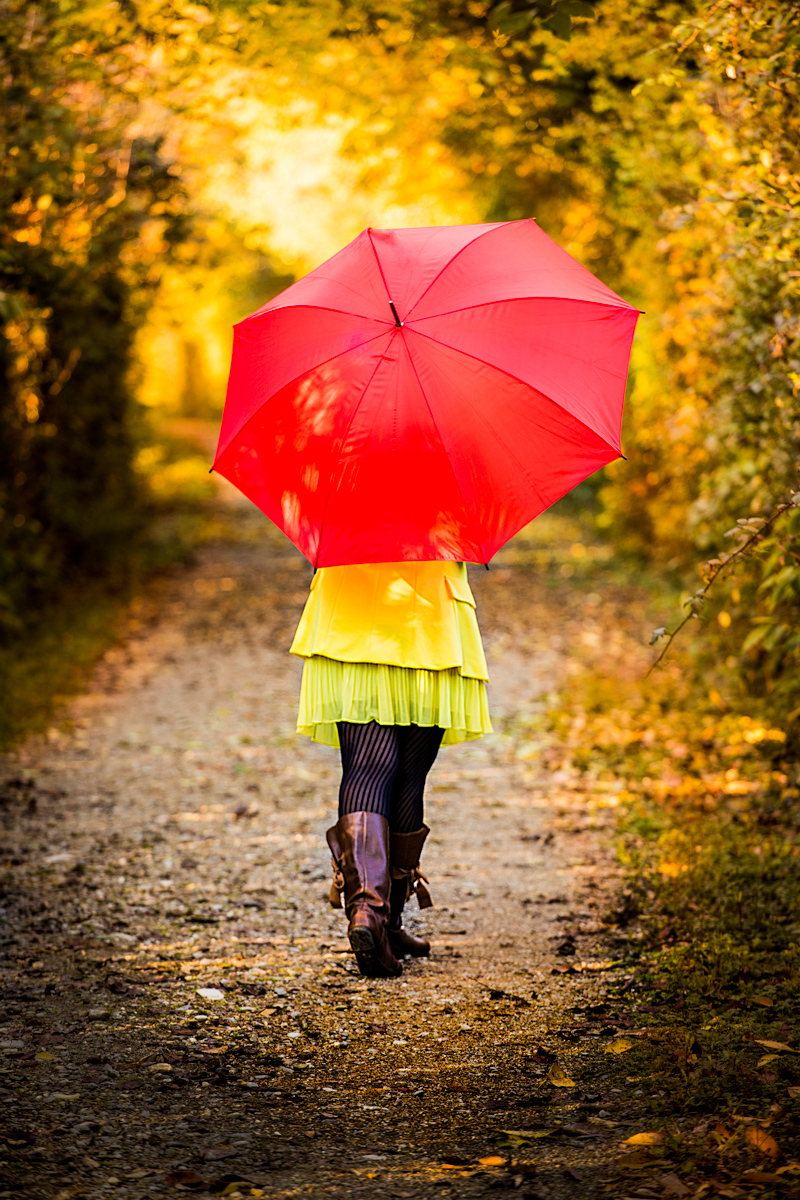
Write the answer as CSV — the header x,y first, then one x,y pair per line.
x,y
394,668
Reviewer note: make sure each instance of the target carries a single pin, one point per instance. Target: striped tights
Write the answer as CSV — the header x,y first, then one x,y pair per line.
x,y
384,768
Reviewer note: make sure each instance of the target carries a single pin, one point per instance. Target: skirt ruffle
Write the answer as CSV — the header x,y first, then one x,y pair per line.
x,y
333,691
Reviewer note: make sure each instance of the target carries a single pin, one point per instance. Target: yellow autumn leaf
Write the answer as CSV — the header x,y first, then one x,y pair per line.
x,y
768,1058
762,1141
618,1046
492,1160
44,1056
645,1139
794,1092
774,1045
559,1078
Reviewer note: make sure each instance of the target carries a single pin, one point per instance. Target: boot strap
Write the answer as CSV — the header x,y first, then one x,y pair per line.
x,y
337,885
415,885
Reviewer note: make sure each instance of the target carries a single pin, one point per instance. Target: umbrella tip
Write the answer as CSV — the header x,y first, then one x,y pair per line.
x,y
210,470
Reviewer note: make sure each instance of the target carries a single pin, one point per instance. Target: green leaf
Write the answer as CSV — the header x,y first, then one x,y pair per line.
x,y
559,24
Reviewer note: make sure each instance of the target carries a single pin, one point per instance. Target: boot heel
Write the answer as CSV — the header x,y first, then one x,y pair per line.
x,y
370,962
362,942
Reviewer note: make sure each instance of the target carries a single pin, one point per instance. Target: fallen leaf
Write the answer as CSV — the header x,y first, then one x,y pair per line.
x,y
774,1045
139,1173
619,1046
513,1139
763,1000
603,1123
64,1096
635,1160
188,1179
223,1150
559,1078
768,1058
579,1130
211,993
674,1186
226,1185
762,1141
43,1056
760,1177
645,1139
794,1092
161,1068
493,1160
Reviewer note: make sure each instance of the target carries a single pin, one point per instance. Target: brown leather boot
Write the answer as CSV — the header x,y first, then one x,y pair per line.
x,y
359,844
407,879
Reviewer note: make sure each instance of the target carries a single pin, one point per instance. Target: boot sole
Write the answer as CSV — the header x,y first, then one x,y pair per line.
x,y
362,943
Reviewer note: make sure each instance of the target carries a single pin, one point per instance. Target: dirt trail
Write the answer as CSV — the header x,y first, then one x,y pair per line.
x,y
169,838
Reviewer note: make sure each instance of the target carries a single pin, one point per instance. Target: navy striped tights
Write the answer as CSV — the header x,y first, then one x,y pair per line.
x,y
384,768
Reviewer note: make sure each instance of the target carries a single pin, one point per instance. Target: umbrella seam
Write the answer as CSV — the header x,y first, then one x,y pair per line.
x,y
624,307
450,261
317,308
510,375
288,383
441,442
380,268
338,459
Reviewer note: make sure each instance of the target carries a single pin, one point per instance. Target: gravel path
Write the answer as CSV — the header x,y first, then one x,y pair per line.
x,y
181,1009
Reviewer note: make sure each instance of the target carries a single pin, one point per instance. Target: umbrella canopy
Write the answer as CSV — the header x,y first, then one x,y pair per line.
x,y
425,393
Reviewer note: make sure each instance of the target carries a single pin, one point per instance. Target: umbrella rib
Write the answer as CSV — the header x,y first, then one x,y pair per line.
x,y
450,261
289,383
441,441
353,415
524,382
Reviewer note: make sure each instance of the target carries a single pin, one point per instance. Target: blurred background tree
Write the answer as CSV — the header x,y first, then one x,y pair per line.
x,y
167,168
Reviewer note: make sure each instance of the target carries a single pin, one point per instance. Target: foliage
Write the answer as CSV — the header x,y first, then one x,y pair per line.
x,y
708,922
660,145
89,211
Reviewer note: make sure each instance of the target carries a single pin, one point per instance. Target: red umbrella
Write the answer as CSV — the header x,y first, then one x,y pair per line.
x,y
425,393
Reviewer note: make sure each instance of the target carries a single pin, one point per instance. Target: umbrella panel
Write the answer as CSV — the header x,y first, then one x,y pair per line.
x,y
272,351
575,353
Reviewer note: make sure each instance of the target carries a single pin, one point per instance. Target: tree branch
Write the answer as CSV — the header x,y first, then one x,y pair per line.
x,y
696,602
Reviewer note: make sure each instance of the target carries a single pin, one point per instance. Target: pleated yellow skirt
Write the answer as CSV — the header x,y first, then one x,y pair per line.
x,y
333,691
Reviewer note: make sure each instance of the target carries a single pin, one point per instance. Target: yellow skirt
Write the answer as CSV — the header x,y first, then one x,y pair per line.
x,y
333,691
